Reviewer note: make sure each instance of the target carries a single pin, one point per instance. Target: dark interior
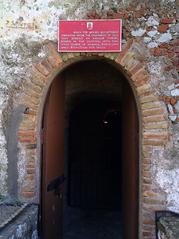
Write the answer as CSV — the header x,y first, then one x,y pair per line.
x,y
95,155
94,192
94,152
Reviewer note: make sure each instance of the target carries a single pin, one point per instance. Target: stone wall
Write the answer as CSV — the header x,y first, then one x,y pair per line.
x,y
168,226
27,26
24,226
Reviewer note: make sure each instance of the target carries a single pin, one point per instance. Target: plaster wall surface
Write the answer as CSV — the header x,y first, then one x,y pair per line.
x,y
26,25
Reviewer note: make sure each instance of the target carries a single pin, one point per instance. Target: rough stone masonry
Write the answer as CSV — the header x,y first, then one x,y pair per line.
x,y
25,28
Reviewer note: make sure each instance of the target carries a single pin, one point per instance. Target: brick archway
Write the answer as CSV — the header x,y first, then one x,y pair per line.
x,y
154,126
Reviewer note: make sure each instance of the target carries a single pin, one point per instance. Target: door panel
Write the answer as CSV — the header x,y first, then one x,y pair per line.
x,y
130,142
53,161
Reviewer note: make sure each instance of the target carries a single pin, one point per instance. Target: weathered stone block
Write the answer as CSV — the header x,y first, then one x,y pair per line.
x,y
24,226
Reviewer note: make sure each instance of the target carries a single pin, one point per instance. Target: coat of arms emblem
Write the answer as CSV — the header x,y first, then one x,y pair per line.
x,y
89,25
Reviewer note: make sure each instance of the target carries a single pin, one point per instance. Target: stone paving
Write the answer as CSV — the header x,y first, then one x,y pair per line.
x,y
91,224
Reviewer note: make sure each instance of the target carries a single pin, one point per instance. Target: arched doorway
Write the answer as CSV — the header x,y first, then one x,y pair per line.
x,y
154,126
53,157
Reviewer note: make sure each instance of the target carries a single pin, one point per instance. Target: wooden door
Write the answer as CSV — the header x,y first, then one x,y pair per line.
x,y
53,162
130,163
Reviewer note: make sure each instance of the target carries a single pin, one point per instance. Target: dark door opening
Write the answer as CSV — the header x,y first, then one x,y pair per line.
x,y
102,167
94,171
95,155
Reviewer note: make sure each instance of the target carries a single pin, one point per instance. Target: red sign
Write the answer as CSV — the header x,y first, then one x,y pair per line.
x,y
90,36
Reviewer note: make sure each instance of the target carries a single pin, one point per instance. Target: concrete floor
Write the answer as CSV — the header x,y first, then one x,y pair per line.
x,y
91,224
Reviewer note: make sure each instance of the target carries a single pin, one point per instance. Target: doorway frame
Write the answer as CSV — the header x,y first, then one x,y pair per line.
x,y
135,72
101,59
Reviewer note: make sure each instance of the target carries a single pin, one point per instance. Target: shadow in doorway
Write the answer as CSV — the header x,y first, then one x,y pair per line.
x,y
92,224
93,200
